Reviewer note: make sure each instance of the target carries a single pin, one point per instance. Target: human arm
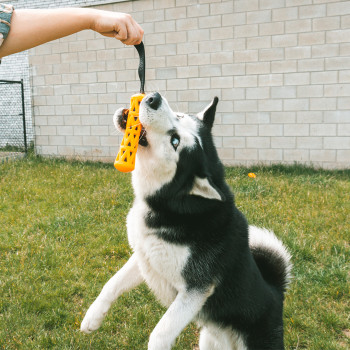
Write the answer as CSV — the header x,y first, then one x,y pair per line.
x,y
30,28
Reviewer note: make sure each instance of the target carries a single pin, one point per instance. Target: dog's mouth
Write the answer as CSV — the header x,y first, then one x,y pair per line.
x,y
143,138
122,121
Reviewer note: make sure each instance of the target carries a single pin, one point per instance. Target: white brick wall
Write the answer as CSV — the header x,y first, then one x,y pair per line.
x,y
281,69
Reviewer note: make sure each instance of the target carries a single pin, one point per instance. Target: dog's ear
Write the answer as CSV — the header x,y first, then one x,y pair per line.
x,y
208,115
203,188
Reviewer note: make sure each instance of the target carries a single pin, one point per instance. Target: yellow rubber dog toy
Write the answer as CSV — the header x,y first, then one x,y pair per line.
x,y
125,160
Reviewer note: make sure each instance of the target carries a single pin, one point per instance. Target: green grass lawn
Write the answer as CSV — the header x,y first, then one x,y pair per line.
x,y
63,235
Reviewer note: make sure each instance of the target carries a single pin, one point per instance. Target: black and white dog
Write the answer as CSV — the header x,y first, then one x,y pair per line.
x,y
192,246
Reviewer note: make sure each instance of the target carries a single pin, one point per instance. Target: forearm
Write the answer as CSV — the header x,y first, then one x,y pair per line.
x,y
30,28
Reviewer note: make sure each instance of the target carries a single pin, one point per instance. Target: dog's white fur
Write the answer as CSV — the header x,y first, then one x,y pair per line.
x,y
214,338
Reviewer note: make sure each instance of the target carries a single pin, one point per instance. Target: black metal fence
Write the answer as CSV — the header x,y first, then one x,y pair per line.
x,y
13,133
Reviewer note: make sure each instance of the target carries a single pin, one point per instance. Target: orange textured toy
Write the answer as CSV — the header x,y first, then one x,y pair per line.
x,y
125,160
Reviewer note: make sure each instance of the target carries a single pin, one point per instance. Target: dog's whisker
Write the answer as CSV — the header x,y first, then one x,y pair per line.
x,y
177,107
153,87
130,127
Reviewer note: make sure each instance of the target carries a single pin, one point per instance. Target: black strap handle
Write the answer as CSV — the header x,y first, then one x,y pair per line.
x,y
142,66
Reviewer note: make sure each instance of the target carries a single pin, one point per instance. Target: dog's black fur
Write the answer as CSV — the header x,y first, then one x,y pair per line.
x,y
250,284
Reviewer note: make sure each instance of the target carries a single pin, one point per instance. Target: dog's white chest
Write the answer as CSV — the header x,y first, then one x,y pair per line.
x,y
161,263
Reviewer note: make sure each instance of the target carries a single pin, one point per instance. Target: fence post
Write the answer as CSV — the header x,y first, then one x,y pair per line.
x,y
24,119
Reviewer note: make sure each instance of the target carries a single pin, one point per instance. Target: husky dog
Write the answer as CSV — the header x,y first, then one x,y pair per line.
x,y
191,244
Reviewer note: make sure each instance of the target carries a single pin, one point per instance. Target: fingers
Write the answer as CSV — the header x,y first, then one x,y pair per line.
x,y
130,32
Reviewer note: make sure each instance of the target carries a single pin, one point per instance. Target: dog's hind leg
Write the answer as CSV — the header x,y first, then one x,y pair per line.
x,y
214,338
207,341
126,278
217,338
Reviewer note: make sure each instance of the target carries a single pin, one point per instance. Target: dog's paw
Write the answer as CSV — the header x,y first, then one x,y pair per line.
x,y
158,343
93,318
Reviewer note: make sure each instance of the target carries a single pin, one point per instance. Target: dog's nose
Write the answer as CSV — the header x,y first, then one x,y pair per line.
x,y
154,100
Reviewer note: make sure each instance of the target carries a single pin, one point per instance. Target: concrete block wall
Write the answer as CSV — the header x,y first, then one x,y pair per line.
x,y
281,69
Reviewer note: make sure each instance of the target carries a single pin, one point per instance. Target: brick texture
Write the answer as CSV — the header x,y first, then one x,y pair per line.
x,y
280,68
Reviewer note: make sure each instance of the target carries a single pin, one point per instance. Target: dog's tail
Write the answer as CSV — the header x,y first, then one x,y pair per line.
x,y
271,257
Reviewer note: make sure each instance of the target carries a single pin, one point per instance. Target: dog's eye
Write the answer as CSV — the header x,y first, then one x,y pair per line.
x,y
175,141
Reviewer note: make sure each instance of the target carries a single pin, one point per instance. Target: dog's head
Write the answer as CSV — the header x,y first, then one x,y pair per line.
x,y
176,151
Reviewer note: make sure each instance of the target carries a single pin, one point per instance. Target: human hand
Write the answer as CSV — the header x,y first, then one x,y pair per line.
x,y
118,25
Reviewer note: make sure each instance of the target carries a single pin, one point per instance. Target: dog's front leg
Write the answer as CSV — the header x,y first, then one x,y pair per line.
x,y
126,278
181,312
